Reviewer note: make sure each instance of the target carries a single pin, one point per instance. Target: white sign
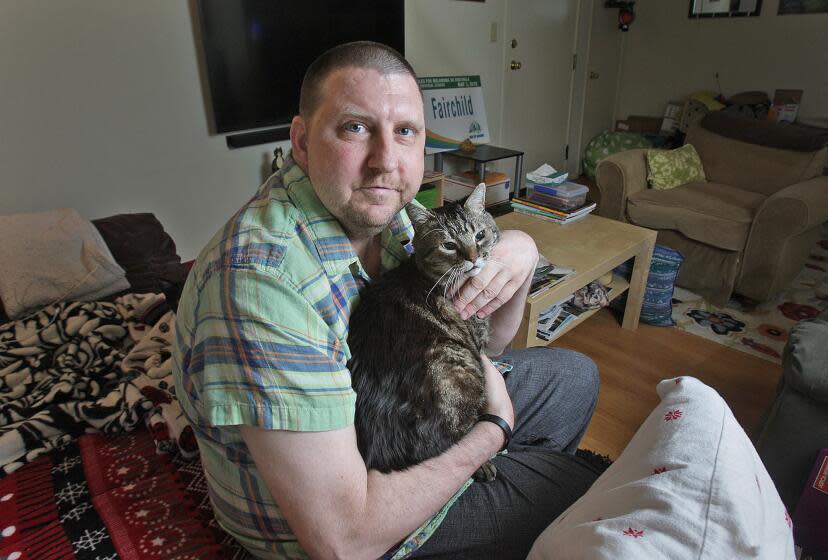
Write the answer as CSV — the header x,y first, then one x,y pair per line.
x,y
454,112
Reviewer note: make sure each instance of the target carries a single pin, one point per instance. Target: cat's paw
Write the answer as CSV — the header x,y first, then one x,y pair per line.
x,y
486,473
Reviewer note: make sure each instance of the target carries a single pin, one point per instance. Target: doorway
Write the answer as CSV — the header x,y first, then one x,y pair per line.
x,y
541,79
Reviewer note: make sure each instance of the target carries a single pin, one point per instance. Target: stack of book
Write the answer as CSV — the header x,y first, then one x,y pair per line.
x,y
534,205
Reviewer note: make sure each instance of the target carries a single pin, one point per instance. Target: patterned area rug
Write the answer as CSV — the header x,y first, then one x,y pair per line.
x,y
763,329
111,498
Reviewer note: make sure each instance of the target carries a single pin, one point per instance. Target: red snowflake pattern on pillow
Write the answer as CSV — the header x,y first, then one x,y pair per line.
x,y
635,533
672,415
659,470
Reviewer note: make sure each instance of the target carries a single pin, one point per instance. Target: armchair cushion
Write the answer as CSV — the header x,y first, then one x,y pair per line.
x,y
667,169
711,213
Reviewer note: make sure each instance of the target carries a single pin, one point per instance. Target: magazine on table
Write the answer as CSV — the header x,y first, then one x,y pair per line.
x,y
548,275
554,318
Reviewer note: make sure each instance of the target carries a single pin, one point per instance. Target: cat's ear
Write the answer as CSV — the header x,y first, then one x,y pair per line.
x,y
416,214
476,200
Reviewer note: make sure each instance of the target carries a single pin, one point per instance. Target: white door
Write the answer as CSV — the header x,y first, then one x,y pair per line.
x,y
539,47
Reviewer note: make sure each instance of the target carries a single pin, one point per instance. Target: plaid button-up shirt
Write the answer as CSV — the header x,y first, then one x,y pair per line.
x,y
261,340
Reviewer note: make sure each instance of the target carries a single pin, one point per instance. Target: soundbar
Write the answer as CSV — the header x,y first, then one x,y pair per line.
x,y
244,139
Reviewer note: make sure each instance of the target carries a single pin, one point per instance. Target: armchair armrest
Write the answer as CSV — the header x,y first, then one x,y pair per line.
x,y
812,195
779,228
618,176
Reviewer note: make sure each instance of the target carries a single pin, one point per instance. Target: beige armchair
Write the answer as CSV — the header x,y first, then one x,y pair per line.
x,y
749,228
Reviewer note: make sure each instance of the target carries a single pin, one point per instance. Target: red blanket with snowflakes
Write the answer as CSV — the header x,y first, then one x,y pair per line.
x,y
104,497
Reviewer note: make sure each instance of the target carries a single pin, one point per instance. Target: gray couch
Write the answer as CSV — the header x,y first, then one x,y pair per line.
x,y
795,427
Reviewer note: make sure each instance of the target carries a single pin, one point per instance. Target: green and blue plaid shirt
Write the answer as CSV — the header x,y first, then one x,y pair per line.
x,y
261,340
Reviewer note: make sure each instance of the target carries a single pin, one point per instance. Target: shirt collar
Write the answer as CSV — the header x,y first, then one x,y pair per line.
x,y
333,246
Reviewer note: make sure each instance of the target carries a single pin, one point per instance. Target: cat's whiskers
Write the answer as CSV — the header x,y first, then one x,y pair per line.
x,y
437,283
453,281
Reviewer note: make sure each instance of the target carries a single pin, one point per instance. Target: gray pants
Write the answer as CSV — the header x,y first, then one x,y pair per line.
x,y
554,392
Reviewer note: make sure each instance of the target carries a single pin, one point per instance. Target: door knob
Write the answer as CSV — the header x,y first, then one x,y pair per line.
x,y
593,75
515,65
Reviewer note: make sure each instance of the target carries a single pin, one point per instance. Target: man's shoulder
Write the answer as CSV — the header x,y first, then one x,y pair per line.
x,y
266,234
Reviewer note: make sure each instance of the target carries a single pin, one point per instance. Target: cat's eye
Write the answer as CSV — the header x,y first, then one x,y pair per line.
x,y
480,235
450,246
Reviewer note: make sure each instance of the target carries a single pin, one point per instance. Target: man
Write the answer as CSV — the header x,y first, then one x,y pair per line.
x,y
261,350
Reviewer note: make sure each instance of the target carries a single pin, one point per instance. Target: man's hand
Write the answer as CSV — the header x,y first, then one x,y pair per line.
x,y
498,401
511,263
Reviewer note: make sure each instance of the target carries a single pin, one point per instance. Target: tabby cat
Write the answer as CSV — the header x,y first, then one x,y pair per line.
x,y
416,365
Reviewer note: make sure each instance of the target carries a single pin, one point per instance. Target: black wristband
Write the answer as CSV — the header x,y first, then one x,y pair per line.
x,y
501,423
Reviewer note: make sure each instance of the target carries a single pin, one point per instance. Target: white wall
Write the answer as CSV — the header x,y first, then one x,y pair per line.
x,y
450,38
668,56
101,110
101,107
446,37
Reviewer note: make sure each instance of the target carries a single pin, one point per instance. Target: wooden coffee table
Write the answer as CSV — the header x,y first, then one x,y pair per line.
x,y
592,246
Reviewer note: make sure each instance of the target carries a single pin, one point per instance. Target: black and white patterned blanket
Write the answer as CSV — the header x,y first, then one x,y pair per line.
x,y
80,367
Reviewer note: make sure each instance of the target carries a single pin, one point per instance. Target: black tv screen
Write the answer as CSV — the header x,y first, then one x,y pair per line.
x,y
257,51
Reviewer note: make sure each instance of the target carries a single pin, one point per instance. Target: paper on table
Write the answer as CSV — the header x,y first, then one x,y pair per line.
x,y
547,175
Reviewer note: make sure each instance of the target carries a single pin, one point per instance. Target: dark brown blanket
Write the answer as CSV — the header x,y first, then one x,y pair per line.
x,y
783,136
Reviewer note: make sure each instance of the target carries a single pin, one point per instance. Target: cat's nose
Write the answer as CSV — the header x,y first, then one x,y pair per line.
x,y
472,254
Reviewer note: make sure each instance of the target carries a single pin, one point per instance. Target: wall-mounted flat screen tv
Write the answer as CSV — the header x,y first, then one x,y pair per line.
x,y
257,51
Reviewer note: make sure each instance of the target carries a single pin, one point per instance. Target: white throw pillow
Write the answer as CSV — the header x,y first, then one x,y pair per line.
x,y
54,256
688,485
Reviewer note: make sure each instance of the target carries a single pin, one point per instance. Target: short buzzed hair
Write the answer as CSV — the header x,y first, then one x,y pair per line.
x,y
359,54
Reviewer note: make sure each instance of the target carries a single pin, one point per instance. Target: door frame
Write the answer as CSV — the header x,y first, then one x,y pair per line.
x,y
577,94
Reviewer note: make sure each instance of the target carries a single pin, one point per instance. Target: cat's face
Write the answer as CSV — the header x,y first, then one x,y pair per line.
x,y
453,242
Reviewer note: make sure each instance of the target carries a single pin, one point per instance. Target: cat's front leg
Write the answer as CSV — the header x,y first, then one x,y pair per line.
x,y
480,328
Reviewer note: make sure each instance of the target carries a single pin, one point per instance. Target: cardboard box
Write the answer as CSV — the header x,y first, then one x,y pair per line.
x,y
498,187
637,123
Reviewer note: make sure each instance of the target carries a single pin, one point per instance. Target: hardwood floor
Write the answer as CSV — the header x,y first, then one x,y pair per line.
x,y
632,363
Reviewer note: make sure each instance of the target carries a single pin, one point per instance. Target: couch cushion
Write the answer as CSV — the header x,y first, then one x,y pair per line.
x,y
750,167
688,485
54,256
806,354
712,213
144,250
667,169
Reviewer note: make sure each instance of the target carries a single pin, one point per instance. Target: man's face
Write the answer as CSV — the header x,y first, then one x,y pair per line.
x,y
363,147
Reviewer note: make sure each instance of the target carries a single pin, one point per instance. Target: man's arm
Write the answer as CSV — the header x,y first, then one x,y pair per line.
x,y
338,509
501,287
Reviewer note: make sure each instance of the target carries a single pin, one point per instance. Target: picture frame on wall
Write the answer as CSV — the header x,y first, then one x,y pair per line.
x,y
724,8
787,7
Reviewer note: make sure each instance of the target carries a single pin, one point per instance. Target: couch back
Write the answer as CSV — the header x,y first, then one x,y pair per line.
x,y
752,167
